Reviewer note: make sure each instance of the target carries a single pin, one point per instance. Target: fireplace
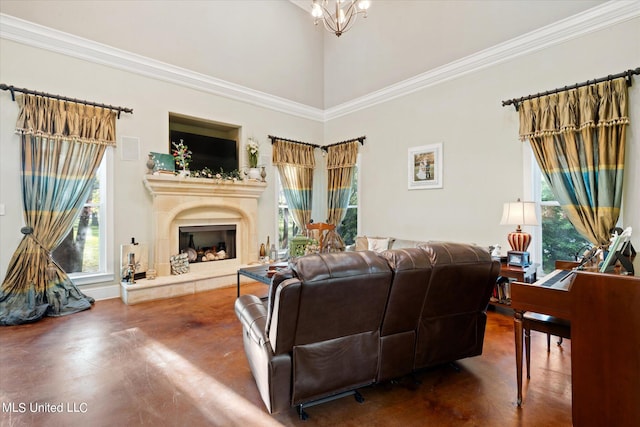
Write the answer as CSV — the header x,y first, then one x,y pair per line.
x,y
206,243
227,210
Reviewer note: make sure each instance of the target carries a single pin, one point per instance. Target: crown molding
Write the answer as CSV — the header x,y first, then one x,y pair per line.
x,y
594,19
35,35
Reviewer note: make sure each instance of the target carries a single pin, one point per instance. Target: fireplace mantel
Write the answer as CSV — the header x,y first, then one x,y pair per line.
x,y
168,185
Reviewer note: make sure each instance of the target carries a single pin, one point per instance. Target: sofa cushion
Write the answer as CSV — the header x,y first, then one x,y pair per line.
x,y
378,245
362,242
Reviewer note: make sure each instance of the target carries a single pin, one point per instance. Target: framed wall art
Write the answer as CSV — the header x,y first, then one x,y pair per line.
x,y
425,167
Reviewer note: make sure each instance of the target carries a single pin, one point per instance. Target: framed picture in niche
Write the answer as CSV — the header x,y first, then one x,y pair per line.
x,y
425,167
164,163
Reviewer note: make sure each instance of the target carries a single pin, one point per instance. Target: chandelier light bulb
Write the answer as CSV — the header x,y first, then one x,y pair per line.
x,y
316,10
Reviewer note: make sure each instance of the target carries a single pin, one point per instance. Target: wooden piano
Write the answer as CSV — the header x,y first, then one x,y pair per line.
x,y
604,311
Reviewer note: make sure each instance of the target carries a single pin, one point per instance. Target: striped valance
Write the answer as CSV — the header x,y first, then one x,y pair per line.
x,y
59,119
342,155
293,153
602,104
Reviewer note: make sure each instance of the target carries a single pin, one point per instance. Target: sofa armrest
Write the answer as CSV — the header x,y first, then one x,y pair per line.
x,y
253,315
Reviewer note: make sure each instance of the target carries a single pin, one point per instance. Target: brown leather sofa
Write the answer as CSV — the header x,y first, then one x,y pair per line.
x,y
340,321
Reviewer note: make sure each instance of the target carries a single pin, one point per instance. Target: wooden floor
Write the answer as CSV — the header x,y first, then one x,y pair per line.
x,y
180,362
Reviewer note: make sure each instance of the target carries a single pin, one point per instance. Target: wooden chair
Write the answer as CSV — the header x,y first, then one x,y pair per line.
x,y
319,231
545,324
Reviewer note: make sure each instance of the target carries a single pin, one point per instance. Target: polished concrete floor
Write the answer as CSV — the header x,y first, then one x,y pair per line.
x,y
180,362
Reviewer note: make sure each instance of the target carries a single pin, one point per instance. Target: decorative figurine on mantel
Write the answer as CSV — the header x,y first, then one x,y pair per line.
x,y
151,164
182,156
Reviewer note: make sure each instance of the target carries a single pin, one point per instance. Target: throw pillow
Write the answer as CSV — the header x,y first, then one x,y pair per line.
x,y
378,245
361,243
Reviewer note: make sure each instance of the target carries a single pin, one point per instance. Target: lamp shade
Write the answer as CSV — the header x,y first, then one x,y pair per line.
x,y
519,213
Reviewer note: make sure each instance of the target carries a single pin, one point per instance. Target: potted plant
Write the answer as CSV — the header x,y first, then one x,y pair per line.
x,y
253,153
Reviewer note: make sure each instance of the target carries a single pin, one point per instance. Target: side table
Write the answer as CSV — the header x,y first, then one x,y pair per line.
x,y
521,274
259,273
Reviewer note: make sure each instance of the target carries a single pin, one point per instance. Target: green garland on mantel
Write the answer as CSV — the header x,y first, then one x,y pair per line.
x,y
234,175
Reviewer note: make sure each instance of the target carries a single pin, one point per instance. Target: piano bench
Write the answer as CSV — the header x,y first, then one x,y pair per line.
x,y
546,324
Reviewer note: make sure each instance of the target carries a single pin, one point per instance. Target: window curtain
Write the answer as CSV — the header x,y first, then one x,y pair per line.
x,y
578,139
341,164
295,163
62,144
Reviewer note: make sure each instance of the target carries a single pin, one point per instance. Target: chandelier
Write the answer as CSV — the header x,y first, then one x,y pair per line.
x,y
338,15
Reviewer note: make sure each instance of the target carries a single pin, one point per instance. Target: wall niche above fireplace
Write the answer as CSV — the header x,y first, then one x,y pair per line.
x,y
214,145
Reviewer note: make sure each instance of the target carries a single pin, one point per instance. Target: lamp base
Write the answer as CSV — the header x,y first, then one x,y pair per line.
x,y
519,240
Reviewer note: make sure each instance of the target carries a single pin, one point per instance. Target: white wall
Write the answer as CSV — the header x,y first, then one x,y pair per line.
x,y
483,158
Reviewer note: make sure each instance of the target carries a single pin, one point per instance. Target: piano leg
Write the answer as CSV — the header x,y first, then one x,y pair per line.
x,y
517,329
527,351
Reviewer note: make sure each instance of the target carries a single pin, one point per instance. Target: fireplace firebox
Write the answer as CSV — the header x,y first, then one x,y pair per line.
x,y
205,243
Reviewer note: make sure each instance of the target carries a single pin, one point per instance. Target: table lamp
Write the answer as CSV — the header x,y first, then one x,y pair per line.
x,y
519,213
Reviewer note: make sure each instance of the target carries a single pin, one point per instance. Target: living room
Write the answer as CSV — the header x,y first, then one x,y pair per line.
x,y
321,89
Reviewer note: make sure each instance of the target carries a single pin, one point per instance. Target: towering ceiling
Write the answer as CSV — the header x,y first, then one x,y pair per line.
x,y
273,47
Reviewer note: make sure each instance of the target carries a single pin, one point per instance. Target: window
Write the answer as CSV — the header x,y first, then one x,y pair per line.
x,y
287,227
560,240
348,229
83,254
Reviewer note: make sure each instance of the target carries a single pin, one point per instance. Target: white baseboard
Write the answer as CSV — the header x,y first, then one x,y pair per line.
x,y
102,291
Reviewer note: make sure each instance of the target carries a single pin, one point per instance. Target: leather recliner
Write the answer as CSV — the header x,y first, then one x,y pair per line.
x,y
454,316
339,321
324,328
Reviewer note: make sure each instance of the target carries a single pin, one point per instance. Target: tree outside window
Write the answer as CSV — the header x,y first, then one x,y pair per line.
x,y
560,239
83,249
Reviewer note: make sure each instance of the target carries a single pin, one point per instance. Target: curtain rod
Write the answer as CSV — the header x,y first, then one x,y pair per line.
x,y
273,138
62,98
627,74
360,139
